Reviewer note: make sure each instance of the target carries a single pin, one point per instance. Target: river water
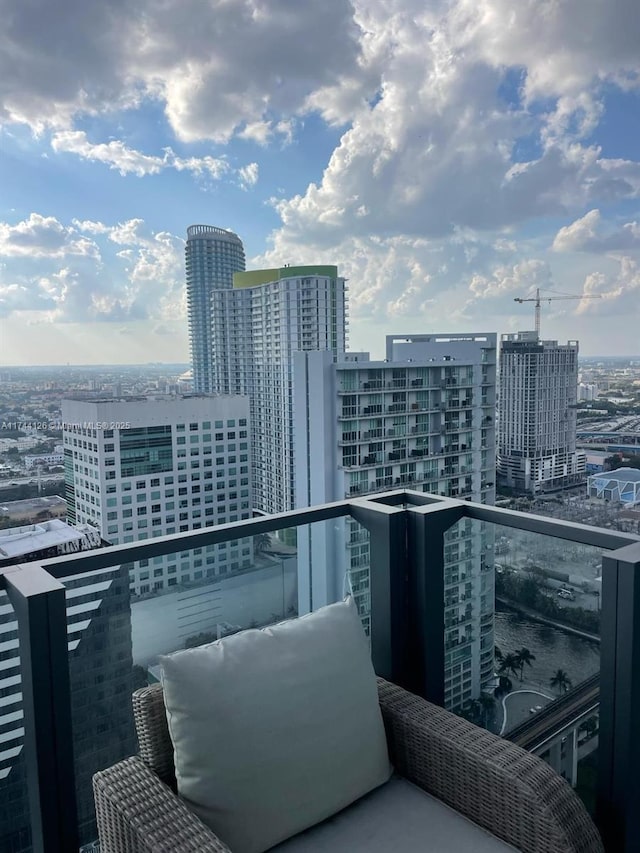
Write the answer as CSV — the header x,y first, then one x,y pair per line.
x,y
553,649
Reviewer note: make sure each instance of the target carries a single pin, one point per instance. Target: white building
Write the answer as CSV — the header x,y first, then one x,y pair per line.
x,y
43,459
587,392
255,329
422,419
212,256
619,486
537,414
142,467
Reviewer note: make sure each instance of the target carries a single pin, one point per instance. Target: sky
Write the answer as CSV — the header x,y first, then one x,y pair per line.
x,y
448,156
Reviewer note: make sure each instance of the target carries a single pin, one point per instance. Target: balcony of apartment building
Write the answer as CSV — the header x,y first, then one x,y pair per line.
x,y
425,619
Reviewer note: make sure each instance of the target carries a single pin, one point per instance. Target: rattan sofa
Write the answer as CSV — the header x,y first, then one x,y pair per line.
x,y
511,793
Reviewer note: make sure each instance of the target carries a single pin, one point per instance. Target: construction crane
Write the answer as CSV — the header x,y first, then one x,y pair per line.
x,y
537,299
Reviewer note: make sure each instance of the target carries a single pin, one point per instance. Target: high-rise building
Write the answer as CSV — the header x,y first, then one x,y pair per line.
x,y
424,418
212,256
256,327
100,671
142,467
537,414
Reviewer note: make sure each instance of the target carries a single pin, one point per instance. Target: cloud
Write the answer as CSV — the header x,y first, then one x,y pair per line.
x,y
590,234
132,275
215,67
619,294
43,237
521,279
248,175
563,46
128,161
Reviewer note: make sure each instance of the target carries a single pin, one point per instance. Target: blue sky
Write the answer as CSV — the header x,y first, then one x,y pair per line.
x,y
448,159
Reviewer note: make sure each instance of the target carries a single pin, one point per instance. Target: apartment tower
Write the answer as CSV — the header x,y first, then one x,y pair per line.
x,y
422,419
212,256
537,414
256,326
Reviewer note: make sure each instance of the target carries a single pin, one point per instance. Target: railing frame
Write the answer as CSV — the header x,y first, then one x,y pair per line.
x,y
407,618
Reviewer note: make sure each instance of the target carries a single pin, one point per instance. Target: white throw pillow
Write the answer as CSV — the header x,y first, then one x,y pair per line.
x,y
275,730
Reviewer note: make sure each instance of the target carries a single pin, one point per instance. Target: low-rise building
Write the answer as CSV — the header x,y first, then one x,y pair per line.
x,y
33,510
619,486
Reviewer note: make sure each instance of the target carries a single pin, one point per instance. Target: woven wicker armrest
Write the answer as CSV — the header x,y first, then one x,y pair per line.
x,y
512,793
137,813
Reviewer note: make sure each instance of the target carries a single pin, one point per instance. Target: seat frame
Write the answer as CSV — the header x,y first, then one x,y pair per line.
x,y
510,792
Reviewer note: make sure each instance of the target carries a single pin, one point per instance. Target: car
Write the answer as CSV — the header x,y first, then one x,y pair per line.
x,y
565,593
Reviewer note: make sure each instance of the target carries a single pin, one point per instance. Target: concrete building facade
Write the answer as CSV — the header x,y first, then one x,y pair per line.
x,y
145,467
255,328
212,256
537,414
421,419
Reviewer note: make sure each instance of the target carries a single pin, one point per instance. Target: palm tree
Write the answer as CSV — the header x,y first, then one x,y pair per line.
x,y
560,681
504,684
486,707
497,653
510,663
261,542
524,656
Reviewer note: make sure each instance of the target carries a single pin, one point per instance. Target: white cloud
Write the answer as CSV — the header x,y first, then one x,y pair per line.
x,y
591,234
248,175
519,279
619,294
127,161
131,275
43,237
216,67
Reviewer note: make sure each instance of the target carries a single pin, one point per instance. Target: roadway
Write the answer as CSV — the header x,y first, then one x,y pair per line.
x,y
557,715
32,479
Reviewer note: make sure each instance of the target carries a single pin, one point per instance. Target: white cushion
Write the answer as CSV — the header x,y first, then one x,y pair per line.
x,y
277,729
401,818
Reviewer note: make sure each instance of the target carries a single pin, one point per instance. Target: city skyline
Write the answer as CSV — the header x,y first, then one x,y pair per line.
x,y
446,162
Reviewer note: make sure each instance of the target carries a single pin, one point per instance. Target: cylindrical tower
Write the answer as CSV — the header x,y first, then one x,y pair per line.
x,y
212,255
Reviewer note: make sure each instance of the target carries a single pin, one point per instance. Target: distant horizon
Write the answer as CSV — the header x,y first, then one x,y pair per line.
x,y
187,364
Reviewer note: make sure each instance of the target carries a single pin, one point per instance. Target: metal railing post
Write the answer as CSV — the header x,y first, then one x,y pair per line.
x,y
39,604
618,811
388,589
426,528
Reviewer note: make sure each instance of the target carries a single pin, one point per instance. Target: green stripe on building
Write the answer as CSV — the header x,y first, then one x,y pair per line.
x,y
254,278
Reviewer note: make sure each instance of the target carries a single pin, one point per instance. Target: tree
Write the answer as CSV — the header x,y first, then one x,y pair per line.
x,y
510,664
524,656
504,685
497,653
560,681
487,706
261,543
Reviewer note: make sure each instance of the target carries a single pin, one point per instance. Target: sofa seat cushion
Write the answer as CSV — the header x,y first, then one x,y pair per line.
x,y
398,817
275,730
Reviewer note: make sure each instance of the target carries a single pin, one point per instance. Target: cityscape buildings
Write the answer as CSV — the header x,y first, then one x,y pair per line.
x,y
421,419
101,676
256,326
537,414
212,256
136,468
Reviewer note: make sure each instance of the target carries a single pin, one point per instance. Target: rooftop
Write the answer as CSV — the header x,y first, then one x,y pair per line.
x,y
15,542
620,475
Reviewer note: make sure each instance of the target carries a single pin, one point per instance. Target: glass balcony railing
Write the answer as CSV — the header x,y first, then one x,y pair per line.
x,y
528,626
